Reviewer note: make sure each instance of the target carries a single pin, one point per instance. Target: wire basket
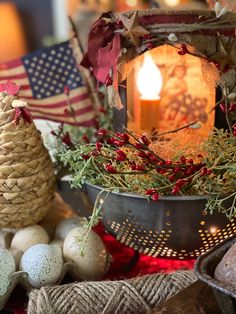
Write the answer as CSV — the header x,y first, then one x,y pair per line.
x,y
174,227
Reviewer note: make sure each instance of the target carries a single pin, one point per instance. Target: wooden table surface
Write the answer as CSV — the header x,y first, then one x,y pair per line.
x,y
198,298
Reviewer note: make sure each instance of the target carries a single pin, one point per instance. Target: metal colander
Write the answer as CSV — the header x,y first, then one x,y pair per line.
x,y
175,227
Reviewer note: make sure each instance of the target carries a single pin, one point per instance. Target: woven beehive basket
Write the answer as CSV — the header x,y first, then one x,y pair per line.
x,y
26,171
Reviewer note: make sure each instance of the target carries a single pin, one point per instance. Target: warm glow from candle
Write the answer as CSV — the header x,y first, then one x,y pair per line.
x,y
12,39
149,79
213,229
172,3
131,3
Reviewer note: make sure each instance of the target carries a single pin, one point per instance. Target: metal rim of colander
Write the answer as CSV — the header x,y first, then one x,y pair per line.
x,y
164,198
65,185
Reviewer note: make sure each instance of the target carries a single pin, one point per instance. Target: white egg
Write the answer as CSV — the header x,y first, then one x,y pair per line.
x,y
5,238
43,263
66,225
16,255
95,259
29,236
7,267
58,242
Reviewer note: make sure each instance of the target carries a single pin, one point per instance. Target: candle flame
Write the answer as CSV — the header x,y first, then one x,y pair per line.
x,y
149,79
172,3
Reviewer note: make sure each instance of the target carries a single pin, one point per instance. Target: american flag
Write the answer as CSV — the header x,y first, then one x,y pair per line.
x,y
43,76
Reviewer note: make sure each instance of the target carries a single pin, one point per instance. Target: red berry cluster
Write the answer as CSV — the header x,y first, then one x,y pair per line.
x,y
146,40
119,24
229,108
109,168
234,130
183,50
63,136
66,139
124,153
153,193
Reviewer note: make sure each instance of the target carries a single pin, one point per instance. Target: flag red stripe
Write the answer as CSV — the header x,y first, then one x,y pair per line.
x,y
62,103
87,123
24,87
10,64
13,77
77,112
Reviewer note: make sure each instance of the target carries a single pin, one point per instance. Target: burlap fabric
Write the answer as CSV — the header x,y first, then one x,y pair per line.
x,y
26,172
133,296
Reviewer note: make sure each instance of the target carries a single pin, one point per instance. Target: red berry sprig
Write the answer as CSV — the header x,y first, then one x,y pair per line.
x,y
121,156
123,153
153,194
66,139
109,168
234,130
85,138
183,50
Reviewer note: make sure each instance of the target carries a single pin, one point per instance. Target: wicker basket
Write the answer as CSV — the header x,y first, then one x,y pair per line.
x,y
26,172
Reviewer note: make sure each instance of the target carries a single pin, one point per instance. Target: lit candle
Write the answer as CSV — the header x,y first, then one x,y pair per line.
x,y
149,84
172,3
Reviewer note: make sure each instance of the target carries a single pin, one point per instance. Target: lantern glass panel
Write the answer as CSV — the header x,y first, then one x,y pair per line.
x,y
182,94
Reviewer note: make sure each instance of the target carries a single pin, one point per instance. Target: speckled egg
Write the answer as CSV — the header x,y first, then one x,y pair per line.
x,y
43,263
95,260
66,225
29,236
7,267
58,242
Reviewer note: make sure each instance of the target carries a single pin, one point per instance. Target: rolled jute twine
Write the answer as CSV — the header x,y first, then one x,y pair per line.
x,y
137,295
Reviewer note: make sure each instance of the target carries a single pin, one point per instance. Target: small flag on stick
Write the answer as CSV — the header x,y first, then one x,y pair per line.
x,y
51,83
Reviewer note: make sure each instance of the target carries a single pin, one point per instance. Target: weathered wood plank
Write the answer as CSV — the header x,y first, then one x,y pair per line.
x,y
120,118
